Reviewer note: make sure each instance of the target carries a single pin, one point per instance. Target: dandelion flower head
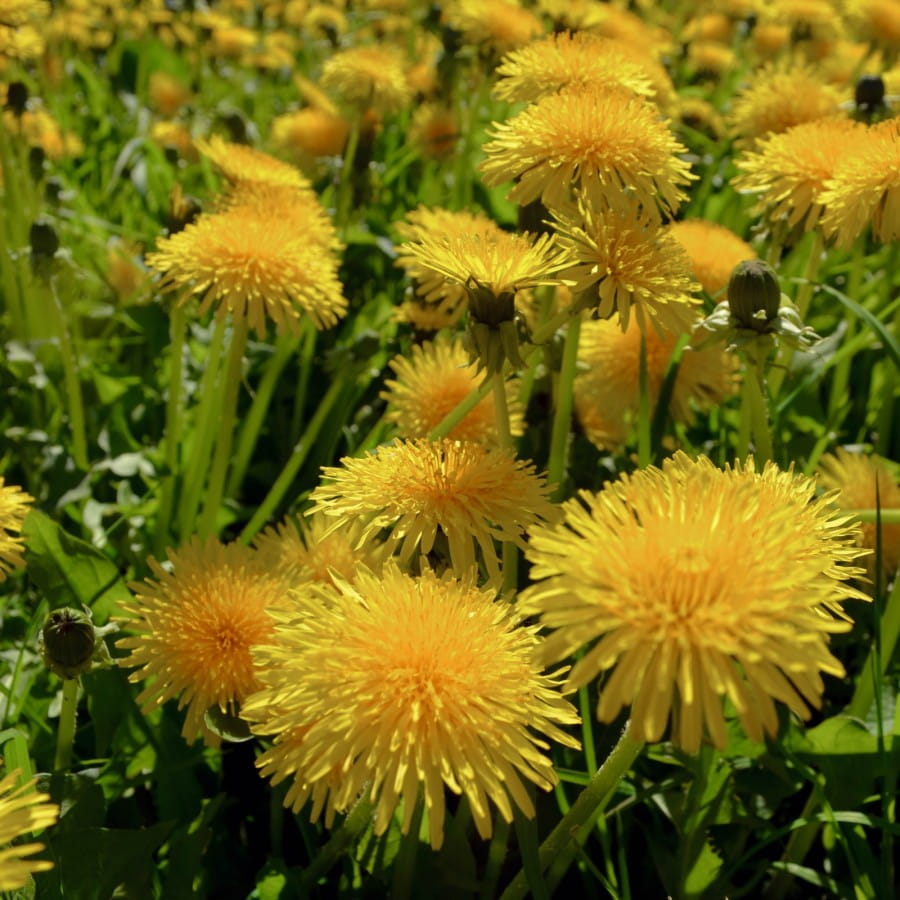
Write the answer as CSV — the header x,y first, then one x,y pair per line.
x,y
239,164
194,624
808,20
310,132
367,77
22,810
690,583
604,141
713,251
14,506
470,493
401,686
496,25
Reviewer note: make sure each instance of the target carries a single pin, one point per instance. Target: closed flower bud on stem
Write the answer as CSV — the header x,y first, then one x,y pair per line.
x,y
70,644
754,295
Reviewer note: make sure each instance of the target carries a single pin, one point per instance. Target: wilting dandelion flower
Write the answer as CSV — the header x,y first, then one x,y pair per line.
x,y
865,481
566,60
14,506
713,251
470,493
865,188
431,382
399,687
22,810
367,77
608,390
258,260
603,141
633,262
240,164
195,623
789,170
689,584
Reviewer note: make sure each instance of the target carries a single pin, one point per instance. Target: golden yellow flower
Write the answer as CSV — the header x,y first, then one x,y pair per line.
x,y
710,59
14,506
865,188
310,132
308,549
399,687
497,25
855,475
877,21
364,77
124,272
268,253
241,164
195,624
713,251
431,382
176,137
789,170
605,141
22,23
40,129
816,20
779,96
634,263
166,93
470,493
690,583
570,60
22,810
615,21
608,391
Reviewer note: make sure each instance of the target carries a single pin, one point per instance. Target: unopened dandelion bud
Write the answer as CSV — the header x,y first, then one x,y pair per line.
x,y
68,642
754,295
16,97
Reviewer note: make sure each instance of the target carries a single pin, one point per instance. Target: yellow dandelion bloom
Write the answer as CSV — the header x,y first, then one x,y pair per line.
x,y
713,251
174,136
634,263
789,170
817,20
309,549
605,142
258,260
400,687
22,810
608,393
310,132
166,93
497,25
570,60
194,627
689,584
14,506
710,59
855,475
365,77
427,317
470,493
614,21
240,164
877,21
431,382
779,96
865,188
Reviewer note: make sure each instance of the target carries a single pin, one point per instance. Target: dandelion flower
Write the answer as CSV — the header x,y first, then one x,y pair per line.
x,y
816,20
258,260
789,170
497,25
431,382
166,93
365,77
14,506
470,493
780,96
240,164
607,392
310,132
567,60
877,21
855,475
634,263
22,810
689,584
310,550
713,251
399,687
865,188
605,141
195,626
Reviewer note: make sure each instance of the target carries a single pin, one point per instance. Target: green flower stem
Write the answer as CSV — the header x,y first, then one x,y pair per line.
x,y
879,658
572,830
562,414
504,438
295,461
495,858
871,516
841,378
345,185
461,410
405,863
65,737
644,450
210,393
71,379
304,370
285,347
527,837
357,820
756,407
546,331
172,434
227,416
798,845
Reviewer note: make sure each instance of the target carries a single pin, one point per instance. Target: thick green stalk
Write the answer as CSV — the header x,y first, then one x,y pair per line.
x,y
405,863
65,736
345,186
227,416
573,828
644,449
562,414
754,388
504,439
841,378
461,410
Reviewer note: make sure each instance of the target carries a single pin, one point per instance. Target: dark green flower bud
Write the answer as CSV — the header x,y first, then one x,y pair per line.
x,y
16,97
754,295
68,642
